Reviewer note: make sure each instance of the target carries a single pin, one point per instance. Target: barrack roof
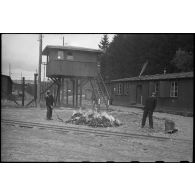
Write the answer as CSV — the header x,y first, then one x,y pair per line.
x,y
74,48
158,77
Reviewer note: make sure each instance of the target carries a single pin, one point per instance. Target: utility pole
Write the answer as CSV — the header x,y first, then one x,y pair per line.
x,y
44,82
35,88
44,72
10,70
63,40
39,72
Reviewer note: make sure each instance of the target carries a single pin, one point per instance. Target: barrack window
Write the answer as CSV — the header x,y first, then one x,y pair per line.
x,y
119,89
174,89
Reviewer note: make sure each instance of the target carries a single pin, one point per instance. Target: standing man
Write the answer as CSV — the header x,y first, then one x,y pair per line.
x,y
149,107
94,101
49,103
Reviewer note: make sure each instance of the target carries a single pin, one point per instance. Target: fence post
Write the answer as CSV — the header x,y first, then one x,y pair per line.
x,y
23,89
73,93
66,92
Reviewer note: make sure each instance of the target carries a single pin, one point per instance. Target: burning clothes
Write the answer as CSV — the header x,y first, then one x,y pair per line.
x,y
93,119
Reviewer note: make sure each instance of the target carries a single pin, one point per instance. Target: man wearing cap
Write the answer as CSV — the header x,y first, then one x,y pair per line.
x,y
149,107
49,103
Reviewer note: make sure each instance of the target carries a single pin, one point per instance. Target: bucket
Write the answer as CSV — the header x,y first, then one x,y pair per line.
x,y
169,125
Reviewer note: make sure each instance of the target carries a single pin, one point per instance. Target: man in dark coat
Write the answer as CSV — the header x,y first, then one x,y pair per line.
x,y
49,103
149,107
94,100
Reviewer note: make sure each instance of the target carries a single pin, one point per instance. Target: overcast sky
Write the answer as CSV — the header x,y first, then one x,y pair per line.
x,y
21,51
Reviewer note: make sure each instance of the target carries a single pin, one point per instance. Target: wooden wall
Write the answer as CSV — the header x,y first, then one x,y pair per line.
x,y
84,64
6,86
183,102
82,56
71,68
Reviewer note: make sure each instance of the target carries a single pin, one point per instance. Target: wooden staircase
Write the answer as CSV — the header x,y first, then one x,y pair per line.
x,y
101,94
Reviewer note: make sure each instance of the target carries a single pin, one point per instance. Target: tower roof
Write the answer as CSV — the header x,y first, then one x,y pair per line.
x,y
73,48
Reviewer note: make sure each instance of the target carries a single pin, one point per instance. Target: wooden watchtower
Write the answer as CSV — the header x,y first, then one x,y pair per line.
x,y
79,66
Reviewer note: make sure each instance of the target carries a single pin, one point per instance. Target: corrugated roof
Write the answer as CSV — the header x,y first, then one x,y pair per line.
x,y
158,77
69,48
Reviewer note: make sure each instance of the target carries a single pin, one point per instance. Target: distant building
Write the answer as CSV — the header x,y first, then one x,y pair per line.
x,y
174,91
6,86
26,81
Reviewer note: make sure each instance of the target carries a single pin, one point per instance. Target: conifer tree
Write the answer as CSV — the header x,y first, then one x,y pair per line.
x,y
104,43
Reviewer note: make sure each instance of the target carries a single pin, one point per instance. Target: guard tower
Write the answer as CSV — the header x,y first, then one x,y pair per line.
x,y
78,66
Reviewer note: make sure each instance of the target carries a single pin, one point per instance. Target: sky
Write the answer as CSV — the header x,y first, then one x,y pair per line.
x,y
20,52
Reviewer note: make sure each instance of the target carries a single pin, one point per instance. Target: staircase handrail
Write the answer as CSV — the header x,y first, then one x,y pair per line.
x,y
103,96
93,90
100,76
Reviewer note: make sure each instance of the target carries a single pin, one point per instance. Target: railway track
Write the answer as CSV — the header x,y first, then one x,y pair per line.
x,y
66,129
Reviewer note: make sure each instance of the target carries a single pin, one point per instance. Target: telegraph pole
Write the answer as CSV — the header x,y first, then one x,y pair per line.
x,y
39,72
23,89
10,70
35,88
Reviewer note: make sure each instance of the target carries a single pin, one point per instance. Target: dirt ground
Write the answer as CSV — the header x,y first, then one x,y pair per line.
x,y
34,144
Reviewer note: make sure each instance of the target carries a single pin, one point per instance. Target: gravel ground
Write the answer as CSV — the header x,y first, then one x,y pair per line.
x,y
25,144
31,145
130,117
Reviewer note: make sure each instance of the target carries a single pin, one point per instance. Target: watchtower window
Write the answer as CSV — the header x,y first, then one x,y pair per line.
x,y
60,55
70,56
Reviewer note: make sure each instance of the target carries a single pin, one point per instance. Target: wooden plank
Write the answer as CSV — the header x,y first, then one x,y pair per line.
x,y
73,92
76,91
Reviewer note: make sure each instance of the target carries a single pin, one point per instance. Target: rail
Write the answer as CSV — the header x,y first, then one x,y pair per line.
x,y
65,128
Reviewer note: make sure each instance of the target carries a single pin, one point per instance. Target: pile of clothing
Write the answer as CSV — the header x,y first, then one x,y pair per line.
x,y
93,119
